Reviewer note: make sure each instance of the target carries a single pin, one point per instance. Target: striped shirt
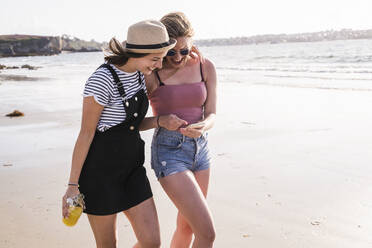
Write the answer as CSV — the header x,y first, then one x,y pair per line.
x,y
102,87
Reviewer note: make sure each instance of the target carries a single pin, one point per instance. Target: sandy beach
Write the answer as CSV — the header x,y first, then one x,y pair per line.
x,y
291,168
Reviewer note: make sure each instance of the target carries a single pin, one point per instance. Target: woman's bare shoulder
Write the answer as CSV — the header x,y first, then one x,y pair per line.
x,y
209,70
208,64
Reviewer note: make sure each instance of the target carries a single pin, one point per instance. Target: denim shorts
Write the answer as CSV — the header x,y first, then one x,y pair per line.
x,y
172,152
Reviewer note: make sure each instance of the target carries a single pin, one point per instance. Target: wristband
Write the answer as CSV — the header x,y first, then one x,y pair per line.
x,y
73,184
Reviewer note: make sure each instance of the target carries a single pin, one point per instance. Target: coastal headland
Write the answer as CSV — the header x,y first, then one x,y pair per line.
x,y
35,45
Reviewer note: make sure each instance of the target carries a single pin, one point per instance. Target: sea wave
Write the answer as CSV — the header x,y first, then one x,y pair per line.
x,y
320,87
318,58
278,69
317,77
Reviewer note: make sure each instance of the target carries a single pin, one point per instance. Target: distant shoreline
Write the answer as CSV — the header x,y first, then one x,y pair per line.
x,y
329,35
33,45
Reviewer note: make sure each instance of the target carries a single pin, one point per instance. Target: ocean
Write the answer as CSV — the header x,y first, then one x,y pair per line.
x,y
345,65
330,65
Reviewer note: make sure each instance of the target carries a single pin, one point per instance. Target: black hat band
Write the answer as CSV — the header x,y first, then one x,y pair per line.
x,y
152,46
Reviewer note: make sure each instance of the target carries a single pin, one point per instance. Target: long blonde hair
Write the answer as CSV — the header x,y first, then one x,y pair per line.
x,y
177,25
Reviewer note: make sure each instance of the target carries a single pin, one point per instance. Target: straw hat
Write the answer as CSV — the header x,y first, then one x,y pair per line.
x,y
148,36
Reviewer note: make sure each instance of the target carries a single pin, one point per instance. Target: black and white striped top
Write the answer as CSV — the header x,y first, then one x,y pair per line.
x,y
102,87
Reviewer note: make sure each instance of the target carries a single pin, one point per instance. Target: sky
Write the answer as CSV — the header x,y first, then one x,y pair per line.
x,y
102,20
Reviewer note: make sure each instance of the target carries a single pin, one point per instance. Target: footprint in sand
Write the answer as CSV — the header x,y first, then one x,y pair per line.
x,y
315,223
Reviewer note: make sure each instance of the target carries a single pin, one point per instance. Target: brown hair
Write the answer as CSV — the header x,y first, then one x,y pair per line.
x,y
177,25
116,54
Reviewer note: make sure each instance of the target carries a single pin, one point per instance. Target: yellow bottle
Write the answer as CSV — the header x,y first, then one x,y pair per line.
x,y
76,206
74,215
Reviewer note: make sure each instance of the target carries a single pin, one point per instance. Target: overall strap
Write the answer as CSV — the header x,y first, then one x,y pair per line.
x,y
139,78
117,81
201,71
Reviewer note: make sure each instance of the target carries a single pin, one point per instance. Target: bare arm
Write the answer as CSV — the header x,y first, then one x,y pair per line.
x,y
211,102
91,114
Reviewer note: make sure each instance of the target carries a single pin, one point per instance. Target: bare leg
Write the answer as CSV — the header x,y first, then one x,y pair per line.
x,y
183,235
144,220
183,189
104,230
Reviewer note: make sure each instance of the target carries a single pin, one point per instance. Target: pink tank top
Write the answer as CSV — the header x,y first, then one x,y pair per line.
x,y
184,100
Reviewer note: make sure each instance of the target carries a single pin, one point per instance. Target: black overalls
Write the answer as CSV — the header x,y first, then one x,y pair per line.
x,y
113,178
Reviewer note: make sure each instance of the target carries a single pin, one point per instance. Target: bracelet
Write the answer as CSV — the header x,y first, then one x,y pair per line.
x,y
157,120
73,184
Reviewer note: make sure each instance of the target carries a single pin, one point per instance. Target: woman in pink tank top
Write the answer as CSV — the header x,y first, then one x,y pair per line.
x,y
183,99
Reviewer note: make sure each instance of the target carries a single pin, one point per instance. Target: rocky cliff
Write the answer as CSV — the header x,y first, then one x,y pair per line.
x,y
32,45
29,45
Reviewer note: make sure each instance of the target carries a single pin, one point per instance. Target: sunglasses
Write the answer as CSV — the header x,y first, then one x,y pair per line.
x,y
183,52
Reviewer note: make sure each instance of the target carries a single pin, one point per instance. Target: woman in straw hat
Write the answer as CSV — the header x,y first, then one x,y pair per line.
x,y
107,162
185,88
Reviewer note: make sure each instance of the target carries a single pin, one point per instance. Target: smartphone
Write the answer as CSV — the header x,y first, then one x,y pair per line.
x,y
195,125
